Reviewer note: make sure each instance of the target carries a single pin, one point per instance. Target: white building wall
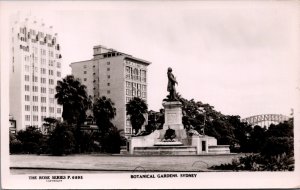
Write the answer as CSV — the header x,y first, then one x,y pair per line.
x,y
34,70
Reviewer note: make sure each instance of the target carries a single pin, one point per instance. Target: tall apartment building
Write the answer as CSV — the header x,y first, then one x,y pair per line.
x,y
116,75
34,70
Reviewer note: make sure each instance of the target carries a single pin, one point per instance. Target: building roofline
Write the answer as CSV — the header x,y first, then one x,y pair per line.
x,y
81,61
137,59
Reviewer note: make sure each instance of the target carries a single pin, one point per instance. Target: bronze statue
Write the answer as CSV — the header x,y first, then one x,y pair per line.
x,y
171,85
170,134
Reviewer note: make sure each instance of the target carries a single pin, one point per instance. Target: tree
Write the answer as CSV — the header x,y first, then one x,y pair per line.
x,y
155,120
30,139
61,140
49,124
104,111
136,108
72,95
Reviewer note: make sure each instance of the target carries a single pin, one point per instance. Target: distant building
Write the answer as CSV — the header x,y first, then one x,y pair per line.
x,y
34,70
116,75
12,125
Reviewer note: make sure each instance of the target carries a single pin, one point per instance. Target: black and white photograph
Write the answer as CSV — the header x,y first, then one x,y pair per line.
x,y
150,94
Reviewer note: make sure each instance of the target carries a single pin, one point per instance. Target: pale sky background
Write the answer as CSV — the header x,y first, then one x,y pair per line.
x,y
240,57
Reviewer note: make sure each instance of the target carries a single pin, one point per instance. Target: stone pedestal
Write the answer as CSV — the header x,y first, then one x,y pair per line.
x,y
173,120
173,115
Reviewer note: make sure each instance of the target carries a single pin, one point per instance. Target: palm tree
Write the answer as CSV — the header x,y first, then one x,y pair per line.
x,y
72,95
74,98
136,108
104,111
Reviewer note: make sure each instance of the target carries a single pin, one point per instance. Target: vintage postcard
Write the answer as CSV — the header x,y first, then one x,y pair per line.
x,y
149,94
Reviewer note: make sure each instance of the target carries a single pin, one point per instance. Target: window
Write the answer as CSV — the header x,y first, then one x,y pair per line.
x,y
51,101
84,66
35,108
43,90
26,77
35,98
108,84
35,118
84,72
128,84
127,72
143,94
43,109
108,76
50,72
43,118
27,107
133,93
34,88
27,117
43,99
58,74
128,92
43,80
58,65
51,81
108,69
108,92
58,110
84,79
43,70
51,90
27,98
26,87
51,109
34,79
108,63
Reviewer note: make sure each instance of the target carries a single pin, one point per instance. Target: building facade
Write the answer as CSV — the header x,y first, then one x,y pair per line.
x,y
116,75
34,70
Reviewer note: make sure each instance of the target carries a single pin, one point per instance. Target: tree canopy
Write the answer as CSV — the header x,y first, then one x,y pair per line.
x,y
72,95
136,108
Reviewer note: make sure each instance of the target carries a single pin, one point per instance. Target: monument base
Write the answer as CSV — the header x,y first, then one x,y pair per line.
x,y
166,143
176,143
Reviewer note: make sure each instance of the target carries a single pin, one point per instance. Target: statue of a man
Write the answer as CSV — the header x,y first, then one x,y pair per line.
x,y
171,84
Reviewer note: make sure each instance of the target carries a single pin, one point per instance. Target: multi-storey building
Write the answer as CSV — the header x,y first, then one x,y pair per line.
x,y
34,70
116,75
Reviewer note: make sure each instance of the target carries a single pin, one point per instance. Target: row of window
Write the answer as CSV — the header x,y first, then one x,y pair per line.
x,y
43,61
35,89
43,70
43,109
34,118
137,93
35,99
133,85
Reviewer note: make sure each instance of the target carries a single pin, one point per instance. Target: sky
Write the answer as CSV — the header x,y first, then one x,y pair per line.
x,y
239,56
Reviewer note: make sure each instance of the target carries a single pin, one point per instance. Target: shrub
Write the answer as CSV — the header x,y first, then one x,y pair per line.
x,y
256,162
30,139
61,141
15,146
113,141
278,145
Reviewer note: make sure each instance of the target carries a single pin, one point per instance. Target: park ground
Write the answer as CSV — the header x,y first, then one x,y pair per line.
x,y
99,163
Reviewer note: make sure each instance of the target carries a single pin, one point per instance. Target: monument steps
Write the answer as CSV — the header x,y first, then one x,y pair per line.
x,y
166,150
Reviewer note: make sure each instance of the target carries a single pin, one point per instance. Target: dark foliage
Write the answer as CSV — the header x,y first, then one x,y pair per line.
x,y
30,140
72,95
257,162
113,141
61,141
136,108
